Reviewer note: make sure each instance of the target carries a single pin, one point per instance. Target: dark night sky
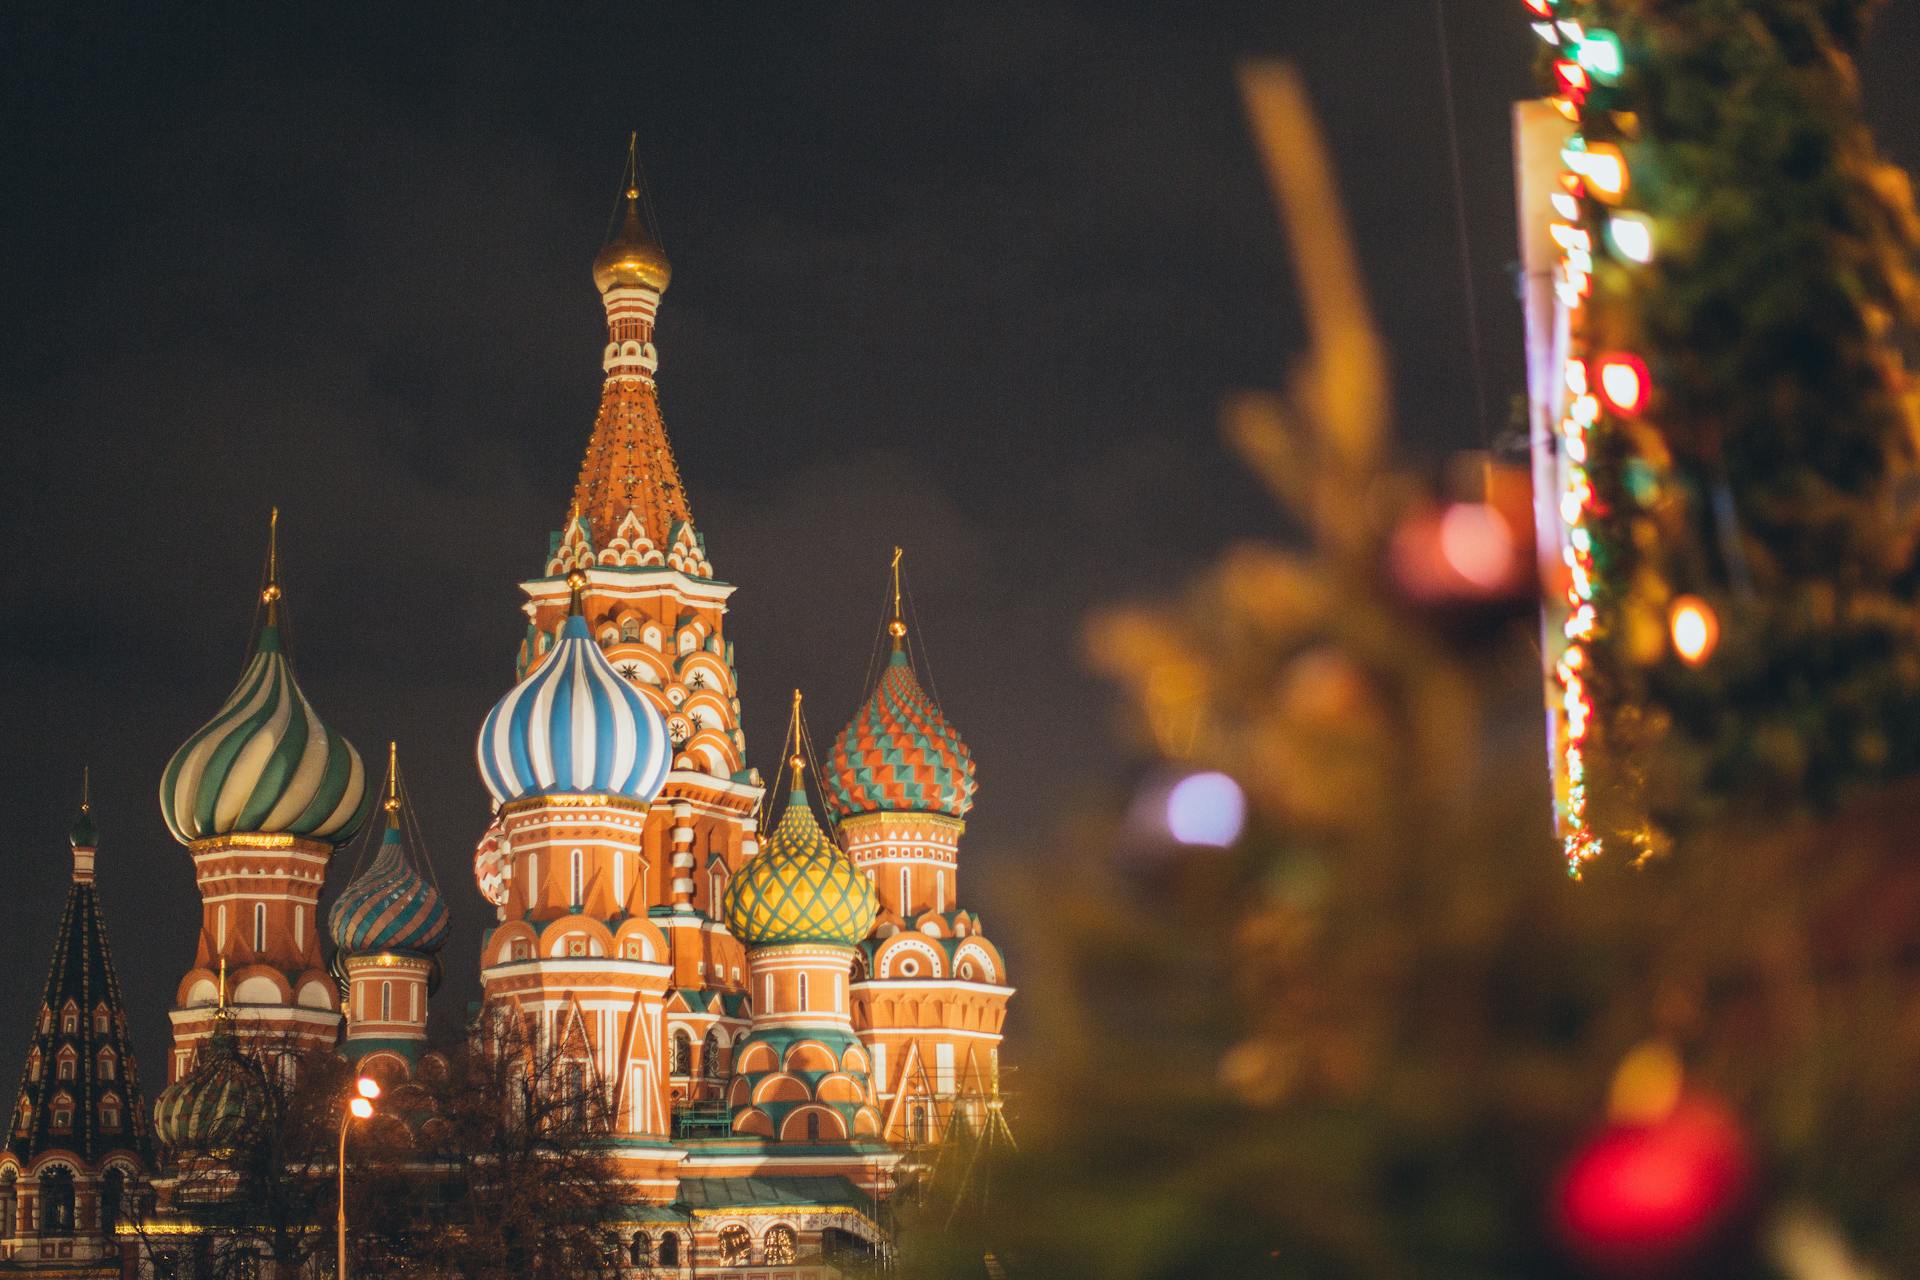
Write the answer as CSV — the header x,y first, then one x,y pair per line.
x,y
969,278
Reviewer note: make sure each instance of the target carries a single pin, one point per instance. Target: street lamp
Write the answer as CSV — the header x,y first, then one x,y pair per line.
x,y
359,1107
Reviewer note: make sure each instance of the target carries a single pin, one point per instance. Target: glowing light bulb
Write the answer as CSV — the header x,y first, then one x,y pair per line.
x,y
1604,166
1631,235
361,1108
367,1087
1599,53
1695,628
1206,809
1624,383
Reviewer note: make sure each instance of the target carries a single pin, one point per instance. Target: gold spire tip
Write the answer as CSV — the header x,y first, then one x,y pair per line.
x,y
393,777
577,584
86,788
271,595
897,628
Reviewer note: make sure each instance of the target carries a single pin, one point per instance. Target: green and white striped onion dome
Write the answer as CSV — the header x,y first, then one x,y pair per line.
x,y
800,887
206,1109
265,764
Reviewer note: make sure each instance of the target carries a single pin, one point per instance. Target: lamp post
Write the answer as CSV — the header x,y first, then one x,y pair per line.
x,y
359,1107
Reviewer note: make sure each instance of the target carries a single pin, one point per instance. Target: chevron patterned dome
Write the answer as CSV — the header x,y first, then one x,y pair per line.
x,y
389,906
265,763
899,754
573,724
206,1109
800,887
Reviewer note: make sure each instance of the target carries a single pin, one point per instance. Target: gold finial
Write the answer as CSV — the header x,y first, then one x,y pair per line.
x,y
898,627
797,759
393,777
221,1002
271,596
577,584
633,255
86,788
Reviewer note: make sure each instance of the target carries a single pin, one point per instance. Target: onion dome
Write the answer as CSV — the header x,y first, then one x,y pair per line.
x,y
265,763
574,724
206,1109
800,887
899,754
633,256
389,906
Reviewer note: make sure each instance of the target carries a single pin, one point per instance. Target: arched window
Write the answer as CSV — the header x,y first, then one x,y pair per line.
x,y
682,1053
9,1201
33,1064
66,1062
710,1055
100,1018
386,1002
780,1246
669,1249
110,1113
62,1112
803,993
103,1064
813,1129
917,1124
736,1245
630,632
259,926
639,1250
56,1202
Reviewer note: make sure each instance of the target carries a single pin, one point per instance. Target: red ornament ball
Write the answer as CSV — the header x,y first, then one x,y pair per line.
x,y
1649,1195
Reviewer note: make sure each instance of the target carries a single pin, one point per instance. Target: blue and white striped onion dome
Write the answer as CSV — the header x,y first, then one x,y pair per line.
x,y
265,764
574,724
389,907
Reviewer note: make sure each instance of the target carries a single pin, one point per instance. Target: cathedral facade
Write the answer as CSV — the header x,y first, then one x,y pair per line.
x,y
780,1000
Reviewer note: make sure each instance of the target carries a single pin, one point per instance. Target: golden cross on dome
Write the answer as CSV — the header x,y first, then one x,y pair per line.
x,y
271,595
898,627
797,760
393,777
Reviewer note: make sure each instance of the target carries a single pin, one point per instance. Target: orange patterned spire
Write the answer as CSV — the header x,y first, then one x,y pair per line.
x,y
629,469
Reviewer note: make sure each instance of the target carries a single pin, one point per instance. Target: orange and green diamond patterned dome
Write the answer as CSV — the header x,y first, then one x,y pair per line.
x,y
800,887
899,754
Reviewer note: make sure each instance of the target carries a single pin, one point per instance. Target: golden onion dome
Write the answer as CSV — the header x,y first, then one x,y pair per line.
x,y
633,256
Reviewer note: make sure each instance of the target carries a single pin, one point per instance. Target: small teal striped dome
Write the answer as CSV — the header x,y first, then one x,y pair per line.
x,y
265,763
389,906
574,724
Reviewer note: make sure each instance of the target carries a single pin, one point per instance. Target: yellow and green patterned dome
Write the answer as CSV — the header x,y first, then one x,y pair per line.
x,y
800,887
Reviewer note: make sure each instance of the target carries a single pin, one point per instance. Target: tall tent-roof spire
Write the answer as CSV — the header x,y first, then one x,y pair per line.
x,y
87,1112
629,505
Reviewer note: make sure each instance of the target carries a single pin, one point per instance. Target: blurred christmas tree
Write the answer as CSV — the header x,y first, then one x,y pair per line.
x,y
1381,1034
1768,479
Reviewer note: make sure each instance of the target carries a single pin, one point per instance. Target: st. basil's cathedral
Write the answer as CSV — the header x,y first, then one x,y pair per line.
x,y
778,999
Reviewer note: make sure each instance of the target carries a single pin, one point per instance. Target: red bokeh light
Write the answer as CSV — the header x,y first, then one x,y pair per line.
x,y
1650,1195
1624,382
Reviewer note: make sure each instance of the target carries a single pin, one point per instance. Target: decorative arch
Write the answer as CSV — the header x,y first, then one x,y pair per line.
x,y
908,955
809,1055
796,1127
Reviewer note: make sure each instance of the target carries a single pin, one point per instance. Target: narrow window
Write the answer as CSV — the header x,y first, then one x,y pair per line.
x,y
576,886
839,993
386,1002
940,891
259,926
767,993
222,929
906,891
